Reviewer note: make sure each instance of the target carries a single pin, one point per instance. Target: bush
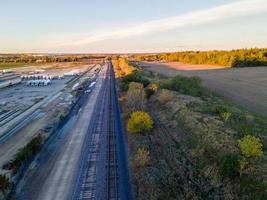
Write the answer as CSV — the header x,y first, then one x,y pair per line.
x,y
135,76
135,97
141,157
153,86
149,92
220,109
250,146
151,89
229,164
225,116
164,96
251,188
223,112
187,85
4,184
139,122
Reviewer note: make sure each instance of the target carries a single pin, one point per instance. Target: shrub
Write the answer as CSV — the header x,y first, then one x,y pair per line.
x,y
250,146
229,164
243,163
4,184
151,89
251,188
141,157
187,85
153,86
164,96
135,97
220,109
225,116
135,76
149,92
25,154
139,122
223,112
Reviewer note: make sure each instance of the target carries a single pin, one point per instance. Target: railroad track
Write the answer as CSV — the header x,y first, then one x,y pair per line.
x,y
4,137
102,174
111,161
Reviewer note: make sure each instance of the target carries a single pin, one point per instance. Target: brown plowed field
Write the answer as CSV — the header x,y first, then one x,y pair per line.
x,y
245,86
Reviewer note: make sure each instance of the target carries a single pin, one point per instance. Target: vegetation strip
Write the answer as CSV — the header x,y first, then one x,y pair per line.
x,y
233,58
211,149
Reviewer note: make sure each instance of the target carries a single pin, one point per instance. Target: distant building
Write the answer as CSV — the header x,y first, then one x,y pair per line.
x,y
42,82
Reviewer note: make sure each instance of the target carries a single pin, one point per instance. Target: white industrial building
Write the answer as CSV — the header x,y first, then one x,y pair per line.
x,y
41,82
36,77
40,77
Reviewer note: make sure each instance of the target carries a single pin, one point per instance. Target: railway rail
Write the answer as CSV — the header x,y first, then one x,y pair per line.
x,y
104,170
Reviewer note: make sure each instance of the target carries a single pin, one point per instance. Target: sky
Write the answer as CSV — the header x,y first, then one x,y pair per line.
x,y
130,26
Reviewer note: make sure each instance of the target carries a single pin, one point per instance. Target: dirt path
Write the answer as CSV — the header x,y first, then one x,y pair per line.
x,y
245,86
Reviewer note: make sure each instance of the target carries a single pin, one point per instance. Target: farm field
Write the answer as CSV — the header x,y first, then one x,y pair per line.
x,y
245,86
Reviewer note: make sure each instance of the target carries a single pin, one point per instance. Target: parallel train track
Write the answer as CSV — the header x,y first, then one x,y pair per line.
x,y
100,175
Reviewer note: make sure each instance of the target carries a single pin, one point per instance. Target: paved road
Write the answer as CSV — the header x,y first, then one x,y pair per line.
x,y
245,86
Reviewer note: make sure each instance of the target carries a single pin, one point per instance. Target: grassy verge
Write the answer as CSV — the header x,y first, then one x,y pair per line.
x,y
199,147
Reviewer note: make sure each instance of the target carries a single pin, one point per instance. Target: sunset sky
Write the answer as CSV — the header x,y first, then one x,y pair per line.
x,y
108,26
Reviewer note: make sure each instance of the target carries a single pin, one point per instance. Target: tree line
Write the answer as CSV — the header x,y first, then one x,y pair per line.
x,y
28,58
233,58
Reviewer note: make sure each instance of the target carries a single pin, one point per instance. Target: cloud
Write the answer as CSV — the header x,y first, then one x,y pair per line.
x,y
223,12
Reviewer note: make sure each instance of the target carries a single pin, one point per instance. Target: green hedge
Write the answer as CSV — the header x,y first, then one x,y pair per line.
x,y
136,76
187,85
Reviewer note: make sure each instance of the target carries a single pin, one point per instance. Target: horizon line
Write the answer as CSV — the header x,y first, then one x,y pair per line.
x,y
123,53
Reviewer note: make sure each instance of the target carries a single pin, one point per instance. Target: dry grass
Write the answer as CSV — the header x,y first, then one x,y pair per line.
x,y
164,96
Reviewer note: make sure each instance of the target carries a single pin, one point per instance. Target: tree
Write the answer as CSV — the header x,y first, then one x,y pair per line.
x,y
250,146
139,122
234,58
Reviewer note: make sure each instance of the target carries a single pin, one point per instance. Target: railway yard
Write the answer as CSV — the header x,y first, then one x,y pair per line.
x,y
83,152
77,113
27,111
